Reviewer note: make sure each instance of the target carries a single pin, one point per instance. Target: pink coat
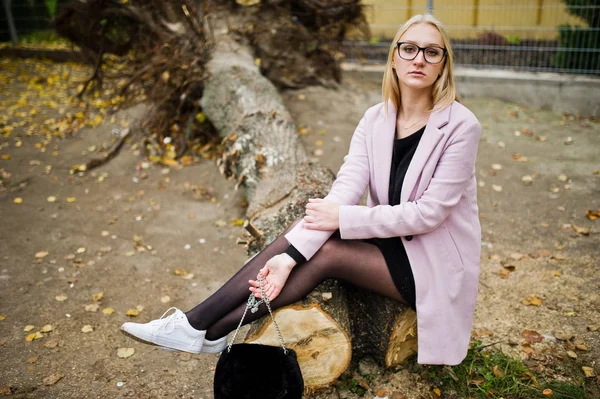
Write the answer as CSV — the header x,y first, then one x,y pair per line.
x,y
437,219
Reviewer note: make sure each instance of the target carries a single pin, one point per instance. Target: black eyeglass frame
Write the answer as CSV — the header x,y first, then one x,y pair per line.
x,y
444,51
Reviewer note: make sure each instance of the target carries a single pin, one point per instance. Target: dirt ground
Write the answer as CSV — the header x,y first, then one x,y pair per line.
x,y
152,237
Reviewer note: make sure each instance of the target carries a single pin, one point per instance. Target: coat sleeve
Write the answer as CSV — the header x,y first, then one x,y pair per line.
x,y
451,177
348,188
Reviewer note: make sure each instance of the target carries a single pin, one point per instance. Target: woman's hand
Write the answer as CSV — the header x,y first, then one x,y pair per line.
x,y
275,274
322,215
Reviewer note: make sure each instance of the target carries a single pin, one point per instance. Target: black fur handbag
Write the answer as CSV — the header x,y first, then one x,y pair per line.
x,y
254,371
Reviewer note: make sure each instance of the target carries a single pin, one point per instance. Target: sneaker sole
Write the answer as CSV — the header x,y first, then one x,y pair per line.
x,y
170,349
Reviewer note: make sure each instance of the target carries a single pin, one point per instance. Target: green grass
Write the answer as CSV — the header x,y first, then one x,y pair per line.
x,y
487,373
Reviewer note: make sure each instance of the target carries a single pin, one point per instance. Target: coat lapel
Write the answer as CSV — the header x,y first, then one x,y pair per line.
x,y
383,144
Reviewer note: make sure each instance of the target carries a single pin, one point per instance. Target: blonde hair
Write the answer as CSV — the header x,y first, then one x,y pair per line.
x,y
444,89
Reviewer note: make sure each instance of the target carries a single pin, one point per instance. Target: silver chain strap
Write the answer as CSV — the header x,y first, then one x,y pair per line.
x,y
253,305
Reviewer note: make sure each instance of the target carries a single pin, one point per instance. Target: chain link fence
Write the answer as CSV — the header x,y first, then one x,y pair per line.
x,y
529,35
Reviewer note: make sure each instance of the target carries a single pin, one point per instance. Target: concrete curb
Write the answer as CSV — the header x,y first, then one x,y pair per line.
x,y
573,94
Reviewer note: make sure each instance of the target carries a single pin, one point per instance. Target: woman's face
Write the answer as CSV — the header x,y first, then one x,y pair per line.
x,y
418,73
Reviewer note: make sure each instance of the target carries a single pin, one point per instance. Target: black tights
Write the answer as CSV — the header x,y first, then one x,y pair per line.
x,y
354,261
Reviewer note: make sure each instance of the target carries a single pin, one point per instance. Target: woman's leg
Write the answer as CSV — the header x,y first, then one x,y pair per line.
x,y
354,261
235,291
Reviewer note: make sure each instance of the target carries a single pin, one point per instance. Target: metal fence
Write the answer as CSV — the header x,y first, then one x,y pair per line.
x,y
530,35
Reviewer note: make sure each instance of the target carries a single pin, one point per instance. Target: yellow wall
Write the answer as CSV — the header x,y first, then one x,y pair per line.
x,y
525,19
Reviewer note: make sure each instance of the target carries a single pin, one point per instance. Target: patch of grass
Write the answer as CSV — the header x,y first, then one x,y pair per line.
x,y
489,373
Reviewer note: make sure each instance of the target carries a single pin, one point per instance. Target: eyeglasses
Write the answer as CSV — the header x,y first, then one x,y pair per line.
x,y
409,51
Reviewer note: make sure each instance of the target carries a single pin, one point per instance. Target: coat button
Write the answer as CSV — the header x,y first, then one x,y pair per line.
x,y
408,238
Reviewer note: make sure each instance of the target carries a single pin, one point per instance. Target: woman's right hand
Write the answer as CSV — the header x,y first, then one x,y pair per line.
x,y
275,274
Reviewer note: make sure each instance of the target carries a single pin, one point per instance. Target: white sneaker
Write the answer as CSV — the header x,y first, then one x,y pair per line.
x,y
216,346
173,331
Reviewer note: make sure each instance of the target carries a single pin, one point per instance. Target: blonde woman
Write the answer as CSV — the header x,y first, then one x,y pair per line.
x,y
416,241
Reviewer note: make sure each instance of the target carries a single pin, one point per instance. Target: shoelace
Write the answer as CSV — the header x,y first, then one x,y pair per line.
x,y
166,320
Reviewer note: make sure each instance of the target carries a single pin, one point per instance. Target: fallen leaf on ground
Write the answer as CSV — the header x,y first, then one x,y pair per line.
x,y
97,297
92,307
592,215
108,311
132,312
47,328
532,300
497,371
517,256
61,297
588,371
124,353
18,200
180,272
496,187
33,336
71,199
51,198
28,328
87,328
81,250
165,299
581,230
531,336
593,327
220,223
32,359
503,273
41,254
547,392
52,379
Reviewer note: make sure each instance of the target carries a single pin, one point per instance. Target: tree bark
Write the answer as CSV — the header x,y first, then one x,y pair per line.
x,y
263,153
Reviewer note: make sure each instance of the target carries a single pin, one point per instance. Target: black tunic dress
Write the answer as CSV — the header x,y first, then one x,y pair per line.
x,y
392,248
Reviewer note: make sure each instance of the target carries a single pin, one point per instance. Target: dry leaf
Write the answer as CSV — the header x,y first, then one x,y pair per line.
x,y
588,371
497,187
32,359
503,273
132,312
220,223
47,328
592,215
28,328
165,299
517,256
108,311
527,180
531,336
81,250
581,230
547,392
41,254
97,297
33,336
51,198
532,300
563,177
496,166
87,328
497,371
92,307
52,379
18,200
71,199
61,297
124,353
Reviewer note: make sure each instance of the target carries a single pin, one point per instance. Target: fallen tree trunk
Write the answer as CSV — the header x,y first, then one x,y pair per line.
x,y
263,153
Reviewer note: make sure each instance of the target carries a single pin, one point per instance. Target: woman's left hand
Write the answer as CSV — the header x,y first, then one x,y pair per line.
x,y
322,215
